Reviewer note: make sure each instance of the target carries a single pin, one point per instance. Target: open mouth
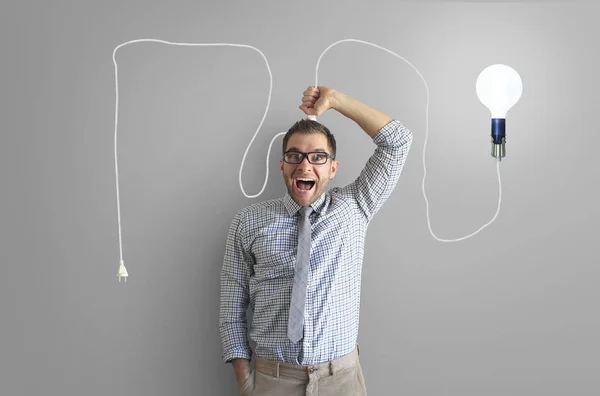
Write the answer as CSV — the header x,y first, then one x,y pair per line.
x,y
304,184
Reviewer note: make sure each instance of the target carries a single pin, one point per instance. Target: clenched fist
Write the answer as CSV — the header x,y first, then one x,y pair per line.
x,y
317,100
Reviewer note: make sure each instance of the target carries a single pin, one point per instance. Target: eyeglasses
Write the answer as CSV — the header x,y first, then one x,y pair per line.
x,y
316,158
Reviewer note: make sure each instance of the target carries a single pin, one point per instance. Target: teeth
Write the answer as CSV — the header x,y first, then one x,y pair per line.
x,y
304,179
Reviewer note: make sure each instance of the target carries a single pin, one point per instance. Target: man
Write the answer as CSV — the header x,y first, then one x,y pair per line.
x,y
297,260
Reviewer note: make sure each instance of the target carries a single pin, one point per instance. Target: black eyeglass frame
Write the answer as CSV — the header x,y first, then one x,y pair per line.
x,y
306,155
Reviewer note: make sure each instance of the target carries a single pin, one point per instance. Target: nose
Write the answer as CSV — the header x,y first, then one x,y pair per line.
x,y
304,164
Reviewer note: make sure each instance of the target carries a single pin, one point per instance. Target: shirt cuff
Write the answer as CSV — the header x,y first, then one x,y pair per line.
x,y
237,354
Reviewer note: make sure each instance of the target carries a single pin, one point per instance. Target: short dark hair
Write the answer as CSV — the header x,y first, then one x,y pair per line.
x,y
309,126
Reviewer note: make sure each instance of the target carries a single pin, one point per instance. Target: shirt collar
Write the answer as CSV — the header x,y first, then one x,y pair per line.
x,y
292,207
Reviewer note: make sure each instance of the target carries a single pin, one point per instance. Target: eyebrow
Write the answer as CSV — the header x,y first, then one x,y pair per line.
x,y
315,150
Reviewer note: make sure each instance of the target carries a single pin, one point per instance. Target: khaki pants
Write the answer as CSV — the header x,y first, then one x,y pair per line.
x,y
339,377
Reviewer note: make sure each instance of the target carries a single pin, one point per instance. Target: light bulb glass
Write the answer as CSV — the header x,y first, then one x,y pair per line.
x,y
499,87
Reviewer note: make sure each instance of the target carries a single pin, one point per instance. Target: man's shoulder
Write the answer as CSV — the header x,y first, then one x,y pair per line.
x,y
341,196
261,207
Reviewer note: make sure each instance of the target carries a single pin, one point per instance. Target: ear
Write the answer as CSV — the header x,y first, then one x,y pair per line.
x,y
334,166
281,166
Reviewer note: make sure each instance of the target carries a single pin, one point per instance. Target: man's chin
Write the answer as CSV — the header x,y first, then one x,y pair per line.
x,y
299,198
302,199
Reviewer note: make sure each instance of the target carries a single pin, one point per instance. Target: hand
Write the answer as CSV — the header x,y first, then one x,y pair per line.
x,y
241,379
242,370
317,100
247,386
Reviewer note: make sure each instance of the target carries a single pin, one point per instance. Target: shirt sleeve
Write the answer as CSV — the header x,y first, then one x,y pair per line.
x,y
235,275
380,175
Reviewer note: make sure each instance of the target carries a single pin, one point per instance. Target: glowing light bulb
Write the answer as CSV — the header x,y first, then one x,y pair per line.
x,y
499,87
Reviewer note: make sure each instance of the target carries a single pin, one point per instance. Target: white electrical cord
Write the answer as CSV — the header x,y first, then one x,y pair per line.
x,y
122,273
425,145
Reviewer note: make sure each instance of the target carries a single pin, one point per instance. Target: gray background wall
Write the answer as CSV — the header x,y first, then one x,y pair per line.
x,y
512,310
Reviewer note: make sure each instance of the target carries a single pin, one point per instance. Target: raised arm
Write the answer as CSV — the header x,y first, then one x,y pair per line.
x,y
380,175
318,100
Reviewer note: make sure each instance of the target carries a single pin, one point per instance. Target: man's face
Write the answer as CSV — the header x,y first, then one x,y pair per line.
x,y
307,142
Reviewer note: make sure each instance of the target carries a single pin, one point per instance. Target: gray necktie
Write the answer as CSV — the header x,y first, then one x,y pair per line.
x,y
296,319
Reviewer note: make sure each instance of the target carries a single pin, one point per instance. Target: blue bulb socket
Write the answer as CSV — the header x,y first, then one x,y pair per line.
x,y
498,130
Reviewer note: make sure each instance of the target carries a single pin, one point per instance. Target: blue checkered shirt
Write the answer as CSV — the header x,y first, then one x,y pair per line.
x,y
260,256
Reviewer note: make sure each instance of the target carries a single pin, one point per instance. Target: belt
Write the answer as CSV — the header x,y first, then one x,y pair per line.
x,y
305,372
